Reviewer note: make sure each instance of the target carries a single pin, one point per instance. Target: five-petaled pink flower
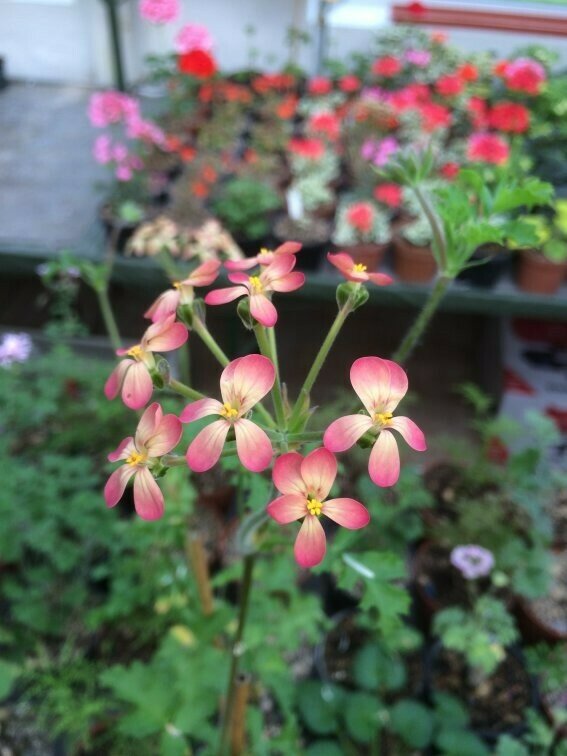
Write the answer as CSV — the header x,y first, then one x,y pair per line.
x,y
356,272
132,377
305,484
264,257
159,11
380,384
277,276
244,382
156,435
182,293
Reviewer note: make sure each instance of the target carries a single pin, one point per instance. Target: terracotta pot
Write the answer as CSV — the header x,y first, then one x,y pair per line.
x,y
412,263
370,254
537,275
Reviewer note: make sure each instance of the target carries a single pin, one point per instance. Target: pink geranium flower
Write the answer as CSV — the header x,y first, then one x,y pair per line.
x,y
360,215
488,148
183,291
264,257
349,83
159,11
419,58
277,276
325,124
156,435
356,272
524,75
132,377
244,382
106,108
380,385
319,85
305,484
193,37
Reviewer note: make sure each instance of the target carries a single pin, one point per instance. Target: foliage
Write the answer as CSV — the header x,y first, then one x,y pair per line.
x,y
243,204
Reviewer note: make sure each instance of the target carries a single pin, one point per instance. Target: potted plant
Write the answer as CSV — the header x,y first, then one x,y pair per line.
x,y
541,271
362,230
413,258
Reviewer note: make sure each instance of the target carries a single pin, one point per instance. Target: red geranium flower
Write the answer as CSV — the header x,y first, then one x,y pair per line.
x,y
389,194
360,215
449,85
434,116
287,107
319,85
197,63
525,75
478,111
312,149
449,170
509,116
349,83
467,72
387,66
488,148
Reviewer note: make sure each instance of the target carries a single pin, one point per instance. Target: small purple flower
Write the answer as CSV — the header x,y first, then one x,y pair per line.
x,y
472,561
419,58
386,148
14,347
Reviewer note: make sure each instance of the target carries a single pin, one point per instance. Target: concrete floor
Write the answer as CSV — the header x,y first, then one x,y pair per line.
x,y
47,175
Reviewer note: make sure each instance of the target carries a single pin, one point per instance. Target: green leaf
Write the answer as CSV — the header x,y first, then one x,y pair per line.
x,y
361,716
8,675
324,748
413,722
318,706
508,746
456,742
375,669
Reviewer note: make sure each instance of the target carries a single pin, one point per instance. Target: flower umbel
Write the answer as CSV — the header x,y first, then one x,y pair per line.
x,y
182,293
305,484
355,271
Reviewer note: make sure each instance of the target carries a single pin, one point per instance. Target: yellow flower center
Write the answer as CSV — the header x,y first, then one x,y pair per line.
x,y
314,507
177,284
136,352
359,268
264,252
136,459
255,284
228,411
383,418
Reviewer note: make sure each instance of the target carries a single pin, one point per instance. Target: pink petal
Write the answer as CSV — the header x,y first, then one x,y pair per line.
x,y
384,462
204,274
412,435
206,447
319,470
137,387
123,450
148,424
222,296
166,436
343,262
246,264
310,544
253,445
347,512
287,474
116,378
380,279
200,408
247,380
291,282
287,508
148,499
165,336
280,266
240,278
116,484
380,384
263,310
345,432
164,307
288,248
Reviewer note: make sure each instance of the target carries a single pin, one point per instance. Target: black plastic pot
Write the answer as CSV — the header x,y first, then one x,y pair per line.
x,y
490,264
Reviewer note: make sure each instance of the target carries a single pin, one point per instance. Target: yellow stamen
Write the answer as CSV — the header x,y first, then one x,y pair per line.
x,y
136,459
383,418
136,352
314,507
264,252
255,284
359,268
177,284
228,411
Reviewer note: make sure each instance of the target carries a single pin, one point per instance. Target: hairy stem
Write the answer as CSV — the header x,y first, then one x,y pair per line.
x,y
267,348
108,317
436,228
184,390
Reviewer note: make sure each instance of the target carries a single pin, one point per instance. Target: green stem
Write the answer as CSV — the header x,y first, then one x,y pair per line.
x,y
265,344
436,228
184,390
108,317
205,335
237,649
421,322
303,438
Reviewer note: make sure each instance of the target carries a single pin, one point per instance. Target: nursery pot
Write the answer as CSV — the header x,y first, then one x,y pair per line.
x,y
412,263
117,232
313,236
532,625
369,254
538,275
496,260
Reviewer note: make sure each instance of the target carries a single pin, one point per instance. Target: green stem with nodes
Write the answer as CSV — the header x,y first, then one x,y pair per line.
x,y
267,348
108,317
184,390
436,228
237,650
422,321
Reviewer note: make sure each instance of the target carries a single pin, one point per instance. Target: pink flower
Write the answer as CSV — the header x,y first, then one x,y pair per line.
x,y
147,131
106,108
349,83
488,148
360,215
356,272
193,37
264,257
159,11
325,124
102,150
182,293
132,377
524,75
275,277
449,85
310,149
379,151
244,382
387,66
319,85
389,194
156,435
380,385
123,173
419,58
305,484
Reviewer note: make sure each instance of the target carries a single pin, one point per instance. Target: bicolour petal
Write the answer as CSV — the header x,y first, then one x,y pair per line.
x,y
287,508
310,544
410,432
287,474
166,436
319,470
116,378
345,432
263,310
380,279
288,248
137,387
165,335
123,450
204,274
116,484
280,266
239,278
384,462
247,380
347,512
223,296
148,424
343,262
379,383
200,408
148,499
206,448
290,282
253,446
164,307
245,264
